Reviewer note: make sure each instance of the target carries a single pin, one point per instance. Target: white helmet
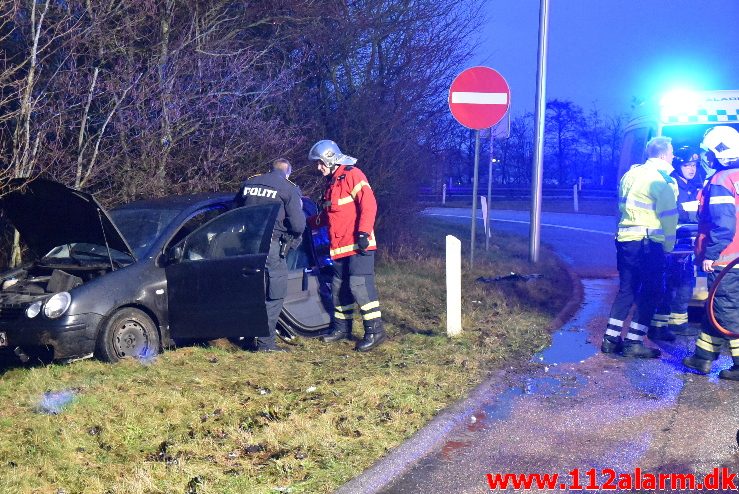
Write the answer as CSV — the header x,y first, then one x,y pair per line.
x,y
329,152
723,141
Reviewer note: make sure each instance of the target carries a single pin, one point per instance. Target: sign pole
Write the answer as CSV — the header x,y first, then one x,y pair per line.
x,y
488,223
537,171
474,198
479,98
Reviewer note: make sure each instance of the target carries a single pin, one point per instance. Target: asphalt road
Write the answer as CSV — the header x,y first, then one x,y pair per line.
x,y
572,409
584,241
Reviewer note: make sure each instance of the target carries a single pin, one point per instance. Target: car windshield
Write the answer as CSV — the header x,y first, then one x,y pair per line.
x,y
140,227
83,253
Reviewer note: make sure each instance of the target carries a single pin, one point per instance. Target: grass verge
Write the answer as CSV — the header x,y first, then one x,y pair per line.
x,y
215,419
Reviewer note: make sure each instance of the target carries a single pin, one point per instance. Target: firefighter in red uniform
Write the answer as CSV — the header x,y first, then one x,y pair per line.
x,y
349,208
716,246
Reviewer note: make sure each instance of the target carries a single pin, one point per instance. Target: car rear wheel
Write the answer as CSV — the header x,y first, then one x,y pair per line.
x,y
128,333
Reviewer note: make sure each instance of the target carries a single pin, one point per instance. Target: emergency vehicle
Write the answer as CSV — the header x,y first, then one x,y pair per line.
x,y
684,116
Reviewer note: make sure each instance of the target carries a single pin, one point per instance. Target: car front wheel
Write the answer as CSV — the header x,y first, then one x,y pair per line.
x,y
128,333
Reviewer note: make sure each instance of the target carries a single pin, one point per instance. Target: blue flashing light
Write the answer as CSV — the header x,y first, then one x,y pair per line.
x,y
680,102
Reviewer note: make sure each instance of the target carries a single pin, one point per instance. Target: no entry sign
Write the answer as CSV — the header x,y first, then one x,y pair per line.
x,y
479,98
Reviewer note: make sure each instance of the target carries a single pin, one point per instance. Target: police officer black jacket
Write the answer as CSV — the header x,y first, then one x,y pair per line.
x,y
274,187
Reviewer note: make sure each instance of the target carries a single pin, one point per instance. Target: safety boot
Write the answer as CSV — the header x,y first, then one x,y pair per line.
x,y
336,335
660,333
637,349
342,330
732,373
700,365
374,335
611,344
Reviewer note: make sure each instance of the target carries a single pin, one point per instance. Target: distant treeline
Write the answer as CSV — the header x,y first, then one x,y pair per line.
x,y
139,98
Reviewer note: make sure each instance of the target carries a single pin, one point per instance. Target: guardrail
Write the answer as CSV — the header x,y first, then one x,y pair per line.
x,y
462,192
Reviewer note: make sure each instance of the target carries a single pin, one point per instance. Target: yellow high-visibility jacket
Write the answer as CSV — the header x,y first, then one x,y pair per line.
x,y
648,204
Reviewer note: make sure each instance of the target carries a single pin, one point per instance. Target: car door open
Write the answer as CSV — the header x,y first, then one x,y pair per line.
x,y
215,283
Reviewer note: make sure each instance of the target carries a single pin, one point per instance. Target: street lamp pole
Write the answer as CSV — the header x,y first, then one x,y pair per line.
x,y
538,165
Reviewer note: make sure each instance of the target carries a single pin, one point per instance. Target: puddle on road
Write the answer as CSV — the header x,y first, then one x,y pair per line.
x,y
565,384
570,343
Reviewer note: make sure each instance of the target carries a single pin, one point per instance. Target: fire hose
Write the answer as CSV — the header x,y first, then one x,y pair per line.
x,y
712,295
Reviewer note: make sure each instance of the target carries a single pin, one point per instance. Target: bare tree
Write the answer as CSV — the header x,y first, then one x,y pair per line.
x,y
563,125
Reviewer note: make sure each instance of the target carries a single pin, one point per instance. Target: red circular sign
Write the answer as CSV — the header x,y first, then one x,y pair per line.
x,y
479,98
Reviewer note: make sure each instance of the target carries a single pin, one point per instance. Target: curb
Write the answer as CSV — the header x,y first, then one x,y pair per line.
x,y
404,456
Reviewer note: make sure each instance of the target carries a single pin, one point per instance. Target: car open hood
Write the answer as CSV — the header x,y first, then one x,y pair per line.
x,y
48,214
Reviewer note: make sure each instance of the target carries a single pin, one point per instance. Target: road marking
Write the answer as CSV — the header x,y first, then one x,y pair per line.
x,y
480,98
527,222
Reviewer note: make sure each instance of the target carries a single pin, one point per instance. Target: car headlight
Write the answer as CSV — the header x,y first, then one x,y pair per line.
x,y
57,305
34,309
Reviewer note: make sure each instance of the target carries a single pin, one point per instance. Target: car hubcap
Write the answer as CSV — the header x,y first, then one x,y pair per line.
x,y
130,340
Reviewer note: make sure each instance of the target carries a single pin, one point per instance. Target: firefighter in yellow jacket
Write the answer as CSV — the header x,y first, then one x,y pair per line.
x,y
646,230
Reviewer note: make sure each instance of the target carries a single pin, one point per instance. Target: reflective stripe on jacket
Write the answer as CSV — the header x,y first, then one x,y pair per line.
x,y
349,207
717,218
647,202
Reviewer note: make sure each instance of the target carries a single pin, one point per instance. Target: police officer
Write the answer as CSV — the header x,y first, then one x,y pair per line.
x,y
275,188
717,245
646,230
349,209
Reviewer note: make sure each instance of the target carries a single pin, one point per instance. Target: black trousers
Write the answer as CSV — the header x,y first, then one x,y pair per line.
x,y
679,283
276,290
726,309
354,283
641,271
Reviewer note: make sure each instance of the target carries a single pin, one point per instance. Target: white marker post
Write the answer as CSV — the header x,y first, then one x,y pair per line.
x,y
453,286
574,198
485,210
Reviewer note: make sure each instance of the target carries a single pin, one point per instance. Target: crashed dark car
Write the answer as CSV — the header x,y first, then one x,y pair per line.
x,y
146,275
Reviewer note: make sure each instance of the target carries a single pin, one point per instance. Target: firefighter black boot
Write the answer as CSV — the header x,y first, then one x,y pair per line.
x,y
342,331
700,365
374,335
341,326
611,344
732,373
336,335
707,348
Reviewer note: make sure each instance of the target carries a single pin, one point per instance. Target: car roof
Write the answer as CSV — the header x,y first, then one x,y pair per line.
x,y
181,202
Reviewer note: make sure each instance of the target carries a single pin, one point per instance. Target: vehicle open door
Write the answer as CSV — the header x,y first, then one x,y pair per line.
x,y
215,276
307,309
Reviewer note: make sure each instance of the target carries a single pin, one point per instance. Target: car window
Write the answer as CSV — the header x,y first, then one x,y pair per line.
x,y
237,233
195,221
141,227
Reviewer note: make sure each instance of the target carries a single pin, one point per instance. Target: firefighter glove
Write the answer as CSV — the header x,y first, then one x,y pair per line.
x,y
363,241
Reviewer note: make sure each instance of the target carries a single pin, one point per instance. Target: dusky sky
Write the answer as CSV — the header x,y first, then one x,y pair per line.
x,y
606,52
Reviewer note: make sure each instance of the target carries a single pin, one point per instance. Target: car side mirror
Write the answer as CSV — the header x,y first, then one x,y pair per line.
x,y
171,256
161,260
